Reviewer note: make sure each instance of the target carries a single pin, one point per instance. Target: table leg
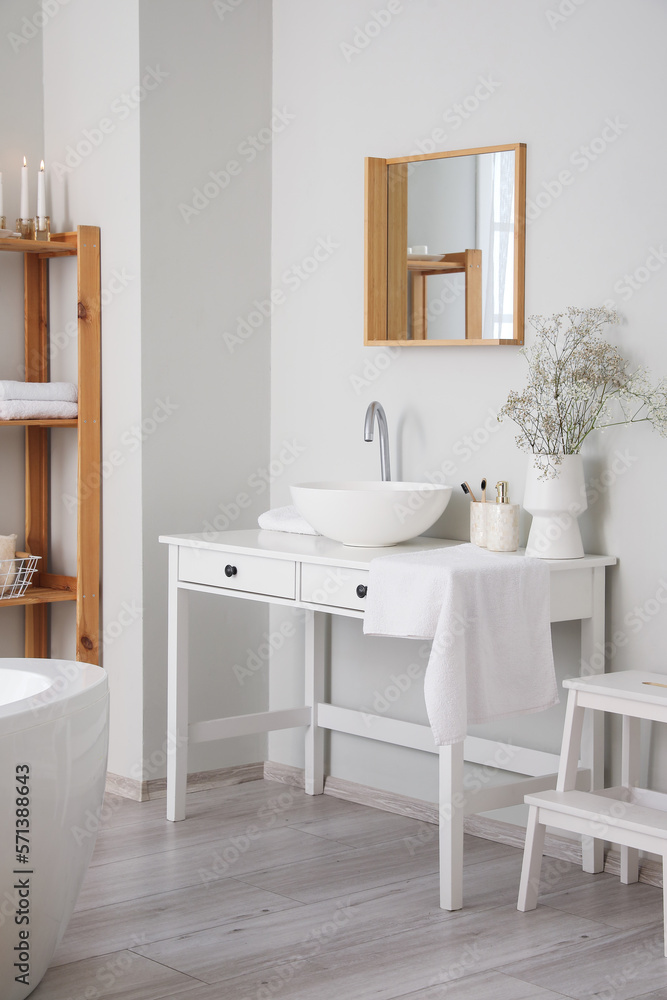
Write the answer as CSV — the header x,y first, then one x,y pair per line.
x,y
315,663
451,802
630,779
177,693
592,746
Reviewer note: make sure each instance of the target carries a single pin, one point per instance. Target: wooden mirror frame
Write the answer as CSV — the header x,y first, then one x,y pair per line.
x,y
385,269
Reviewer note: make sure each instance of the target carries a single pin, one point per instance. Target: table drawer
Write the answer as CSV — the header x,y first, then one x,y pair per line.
x,y
333,586
253,574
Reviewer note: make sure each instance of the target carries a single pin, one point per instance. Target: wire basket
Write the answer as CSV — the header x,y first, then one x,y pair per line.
x,y
16,575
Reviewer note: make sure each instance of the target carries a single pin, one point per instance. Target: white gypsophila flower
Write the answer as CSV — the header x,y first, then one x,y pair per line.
x,y
578,383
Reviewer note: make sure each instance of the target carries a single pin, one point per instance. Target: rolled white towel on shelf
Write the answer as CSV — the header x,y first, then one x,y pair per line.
x,y
7,563
285,519
58,391
37,409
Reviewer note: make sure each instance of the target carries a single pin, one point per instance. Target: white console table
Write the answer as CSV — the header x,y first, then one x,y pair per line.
x,y
324,577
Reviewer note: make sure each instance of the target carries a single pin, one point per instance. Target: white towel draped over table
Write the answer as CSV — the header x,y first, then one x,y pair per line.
x,y
37,409
489,617
62,391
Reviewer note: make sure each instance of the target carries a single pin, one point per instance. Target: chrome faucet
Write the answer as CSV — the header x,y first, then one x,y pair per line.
x,y
375,410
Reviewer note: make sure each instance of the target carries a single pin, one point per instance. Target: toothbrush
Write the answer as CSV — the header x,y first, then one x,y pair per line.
x,y
466,489
484,491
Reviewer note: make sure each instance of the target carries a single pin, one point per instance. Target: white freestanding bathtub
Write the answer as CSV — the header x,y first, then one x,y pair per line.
x,y
53,755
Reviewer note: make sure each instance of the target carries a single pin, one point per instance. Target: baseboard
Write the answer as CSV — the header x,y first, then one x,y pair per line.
x,y
402,805
199,781
126,788
555,846
285,773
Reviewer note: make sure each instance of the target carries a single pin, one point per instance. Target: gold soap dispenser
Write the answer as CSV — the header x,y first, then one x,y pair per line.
x,y
502,522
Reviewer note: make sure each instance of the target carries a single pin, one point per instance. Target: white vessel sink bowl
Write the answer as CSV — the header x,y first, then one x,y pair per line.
x,y
370,513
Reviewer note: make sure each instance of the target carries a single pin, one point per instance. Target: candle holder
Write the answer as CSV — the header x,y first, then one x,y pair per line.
x,y
26,227
42,227
3,221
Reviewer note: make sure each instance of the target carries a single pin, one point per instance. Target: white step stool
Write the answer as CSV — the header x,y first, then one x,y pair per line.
x,y
635,818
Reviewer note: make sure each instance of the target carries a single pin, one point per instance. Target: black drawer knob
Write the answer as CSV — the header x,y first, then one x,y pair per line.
x,y
362,590
230,570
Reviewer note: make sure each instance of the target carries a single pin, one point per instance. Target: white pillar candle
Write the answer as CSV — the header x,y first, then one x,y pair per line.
x,y
24,189
2,198
41,199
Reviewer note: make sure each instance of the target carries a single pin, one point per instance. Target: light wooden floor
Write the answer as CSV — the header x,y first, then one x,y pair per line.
x,y
264,892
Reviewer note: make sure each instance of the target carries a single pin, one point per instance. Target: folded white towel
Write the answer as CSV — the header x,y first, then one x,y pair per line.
x,y
285,519
39,390
488,616
37,409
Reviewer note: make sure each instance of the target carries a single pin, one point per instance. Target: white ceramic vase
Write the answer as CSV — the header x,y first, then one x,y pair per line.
x,y
556,505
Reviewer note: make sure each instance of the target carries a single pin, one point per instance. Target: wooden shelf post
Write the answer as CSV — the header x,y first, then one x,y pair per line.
x,y
89,470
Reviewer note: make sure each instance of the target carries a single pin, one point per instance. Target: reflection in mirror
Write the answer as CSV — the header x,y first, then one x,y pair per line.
x,y
449,252
458,253
466,202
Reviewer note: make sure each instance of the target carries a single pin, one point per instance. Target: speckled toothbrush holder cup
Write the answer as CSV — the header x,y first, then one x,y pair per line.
x,y
478,522
502,527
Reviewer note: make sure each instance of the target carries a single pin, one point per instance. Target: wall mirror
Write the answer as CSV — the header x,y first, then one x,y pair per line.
x,y
445,248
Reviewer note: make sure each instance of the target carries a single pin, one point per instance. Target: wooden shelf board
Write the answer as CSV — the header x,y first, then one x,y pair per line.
x,y
40,595
40,423
54,248
434,266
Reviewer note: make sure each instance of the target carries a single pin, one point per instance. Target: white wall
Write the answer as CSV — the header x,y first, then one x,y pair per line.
x,y
91,64
187,412
21,126
201,269
473,74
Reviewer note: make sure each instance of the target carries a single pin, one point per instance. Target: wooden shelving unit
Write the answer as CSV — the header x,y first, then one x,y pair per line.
x,y
48,588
